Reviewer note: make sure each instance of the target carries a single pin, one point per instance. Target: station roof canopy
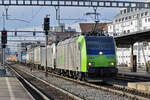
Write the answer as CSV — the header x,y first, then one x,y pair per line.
x,y
128,39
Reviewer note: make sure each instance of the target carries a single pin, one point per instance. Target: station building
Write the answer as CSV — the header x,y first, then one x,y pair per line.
x,y
127,21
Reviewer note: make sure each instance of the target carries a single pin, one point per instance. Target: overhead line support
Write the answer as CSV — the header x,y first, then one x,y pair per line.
x,y
76,3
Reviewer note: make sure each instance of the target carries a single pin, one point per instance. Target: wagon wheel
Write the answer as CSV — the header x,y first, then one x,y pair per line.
x,y
79,76
75,76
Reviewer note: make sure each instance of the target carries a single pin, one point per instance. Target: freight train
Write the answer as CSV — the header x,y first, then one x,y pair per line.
x,y
81,57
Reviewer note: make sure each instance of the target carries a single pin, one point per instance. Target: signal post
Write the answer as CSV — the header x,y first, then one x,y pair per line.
x,y
3,46
46,29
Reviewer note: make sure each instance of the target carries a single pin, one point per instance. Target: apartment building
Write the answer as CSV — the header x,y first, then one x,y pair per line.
x,y
127,21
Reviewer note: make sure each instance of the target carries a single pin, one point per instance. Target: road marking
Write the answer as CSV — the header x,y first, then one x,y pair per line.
x,y
12,97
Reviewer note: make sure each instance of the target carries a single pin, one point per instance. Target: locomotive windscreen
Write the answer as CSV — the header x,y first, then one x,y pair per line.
x,y
100,43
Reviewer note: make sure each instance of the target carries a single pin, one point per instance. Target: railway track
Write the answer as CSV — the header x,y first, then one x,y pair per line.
x,y
42,89
89,91
34,92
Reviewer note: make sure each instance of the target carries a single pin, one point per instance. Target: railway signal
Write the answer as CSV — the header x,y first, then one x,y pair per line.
x,y
3,37
3,45
46,29
15,33
46,25
34,33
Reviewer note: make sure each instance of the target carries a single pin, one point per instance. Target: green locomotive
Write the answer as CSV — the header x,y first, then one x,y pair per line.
x,y
87,57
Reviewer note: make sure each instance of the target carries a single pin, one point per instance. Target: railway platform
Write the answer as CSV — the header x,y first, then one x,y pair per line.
x,y
12,89
138,74
142,85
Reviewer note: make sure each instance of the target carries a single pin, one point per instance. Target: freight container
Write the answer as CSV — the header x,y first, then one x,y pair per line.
x,y
27,58
13,57
32,56
68,55
43,56
37,55
51,56
22,57
24,54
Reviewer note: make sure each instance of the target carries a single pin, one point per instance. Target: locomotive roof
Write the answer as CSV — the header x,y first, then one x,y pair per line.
x,y
73,39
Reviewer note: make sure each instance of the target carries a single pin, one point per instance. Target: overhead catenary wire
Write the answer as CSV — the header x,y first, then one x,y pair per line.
x,y
7,18
36,13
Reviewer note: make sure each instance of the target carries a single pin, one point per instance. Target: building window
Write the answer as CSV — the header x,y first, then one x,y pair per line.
x,y
121,12
119,20
122,19
145,19
58,36
131,9
116,20
125,11
124,32
142,15
148,19
128,31
128,10
137,15
131,23
129,17
126,18
146,13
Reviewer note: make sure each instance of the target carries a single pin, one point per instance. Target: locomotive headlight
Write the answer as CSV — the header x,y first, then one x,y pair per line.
x,y
90,64
112,63
100,53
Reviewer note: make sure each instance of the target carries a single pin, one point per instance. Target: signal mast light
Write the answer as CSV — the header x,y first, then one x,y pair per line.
x,y
3,36
46,23
4,32
46,19
15,33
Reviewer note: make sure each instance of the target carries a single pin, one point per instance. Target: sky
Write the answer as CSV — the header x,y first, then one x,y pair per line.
x,y
33,16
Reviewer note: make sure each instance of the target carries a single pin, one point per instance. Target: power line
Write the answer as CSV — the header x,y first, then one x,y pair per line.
x,y
33,16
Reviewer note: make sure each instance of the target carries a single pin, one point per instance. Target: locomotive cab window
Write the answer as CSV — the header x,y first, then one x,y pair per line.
x,y
100,43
